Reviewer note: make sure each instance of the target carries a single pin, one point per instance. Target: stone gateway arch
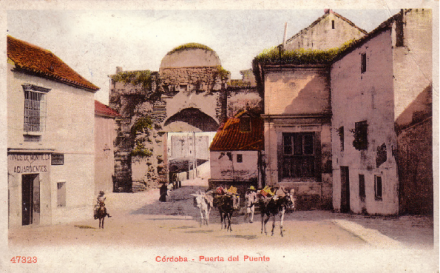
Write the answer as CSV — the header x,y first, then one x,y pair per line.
x,y
173,112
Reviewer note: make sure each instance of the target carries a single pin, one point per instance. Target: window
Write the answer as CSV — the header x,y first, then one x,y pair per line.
x,y
61,194
363,62
34,108
399,33
378,187
239,158
362,187
341,137
245,124
298,155
360,141
333,24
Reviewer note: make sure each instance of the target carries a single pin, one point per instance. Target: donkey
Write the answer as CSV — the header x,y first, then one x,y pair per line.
x,y
101,214
271,207
204,203
226,204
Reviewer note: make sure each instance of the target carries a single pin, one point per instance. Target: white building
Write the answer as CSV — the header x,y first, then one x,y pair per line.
x,y
381,105
50,138
105,135
236,156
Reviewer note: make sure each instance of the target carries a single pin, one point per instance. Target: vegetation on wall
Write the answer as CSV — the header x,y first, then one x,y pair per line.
x,y
189,46
134,77
223,73
278,56
140,150
142,125
140,129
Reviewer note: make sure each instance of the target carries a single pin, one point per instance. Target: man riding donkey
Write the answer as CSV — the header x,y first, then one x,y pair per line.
x,y
100,202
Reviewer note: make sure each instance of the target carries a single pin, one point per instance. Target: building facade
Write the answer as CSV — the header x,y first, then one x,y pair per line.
x,y
49,138
297,131
351,128
382,118
297,110
105,135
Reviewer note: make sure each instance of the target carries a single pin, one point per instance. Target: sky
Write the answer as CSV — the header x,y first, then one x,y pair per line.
x,y
94,42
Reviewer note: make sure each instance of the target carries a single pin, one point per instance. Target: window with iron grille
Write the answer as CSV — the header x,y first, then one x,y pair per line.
x,y
298,155
34,108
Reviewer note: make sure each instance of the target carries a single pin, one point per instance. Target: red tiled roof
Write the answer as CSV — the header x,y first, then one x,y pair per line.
x,y
44,63
230,138
103,110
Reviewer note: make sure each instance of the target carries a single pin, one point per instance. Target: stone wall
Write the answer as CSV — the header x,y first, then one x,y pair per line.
x,y
241,98
179,99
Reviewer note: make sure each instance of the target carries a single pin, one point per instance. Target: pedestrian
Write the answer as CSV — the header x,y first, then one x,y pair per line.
x,y
163,193
251,200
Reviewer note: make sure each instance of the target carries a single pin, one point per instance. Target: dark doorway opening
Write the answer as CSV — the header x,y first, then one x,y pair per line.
x,y
345,190
30,199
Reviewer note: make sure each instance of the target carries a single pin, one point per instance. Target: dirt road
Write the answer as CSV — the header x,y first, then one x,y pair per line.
x,y
172,228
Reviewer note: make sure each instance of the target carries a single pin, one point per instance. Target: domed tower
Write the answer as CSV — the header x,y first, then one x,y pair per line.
x,y
192,79
191,67
193,83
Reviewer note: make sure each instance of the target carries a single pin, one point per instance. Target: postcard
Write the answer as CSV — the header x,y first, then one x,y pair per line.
x,y
230,136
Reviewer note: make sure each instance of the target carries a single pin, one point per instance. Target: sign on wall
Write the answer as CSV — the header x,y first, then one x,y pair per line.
x,y
57,159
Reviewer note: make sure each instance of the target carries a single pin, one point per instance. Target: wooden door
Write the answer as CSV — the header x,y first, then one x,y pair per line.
x,y
345,189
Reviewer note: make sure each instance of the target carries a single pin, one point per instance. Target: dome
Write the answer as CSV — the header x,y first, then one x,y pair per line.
x,y
190,55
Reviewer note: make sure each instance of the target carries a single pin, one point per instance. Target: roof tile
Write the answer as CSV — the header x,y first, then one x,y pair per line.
x,y
103,110
230,138
44,63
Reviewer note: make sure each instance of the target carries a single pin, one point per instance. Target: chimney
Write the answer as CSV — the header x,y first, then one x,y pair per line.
x,y
118,69
327,11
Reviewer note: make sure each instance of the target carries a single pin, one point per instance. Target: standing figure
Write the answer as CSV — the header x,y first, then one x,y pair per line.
x,y
251,200
163,193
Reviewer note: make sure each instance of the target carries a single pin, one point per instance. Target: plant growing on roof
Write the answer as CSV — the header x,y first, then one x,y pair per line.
x,y
189,46
222,73
276,55
134,77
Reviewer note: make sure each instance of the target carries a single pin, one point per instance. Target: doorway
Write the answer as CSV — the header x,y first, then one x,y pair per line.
x,y
345,190
30,208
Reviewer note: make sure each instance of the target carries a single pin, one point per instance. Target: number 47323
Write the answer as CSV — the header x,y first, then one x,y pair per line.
x,y
24,259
